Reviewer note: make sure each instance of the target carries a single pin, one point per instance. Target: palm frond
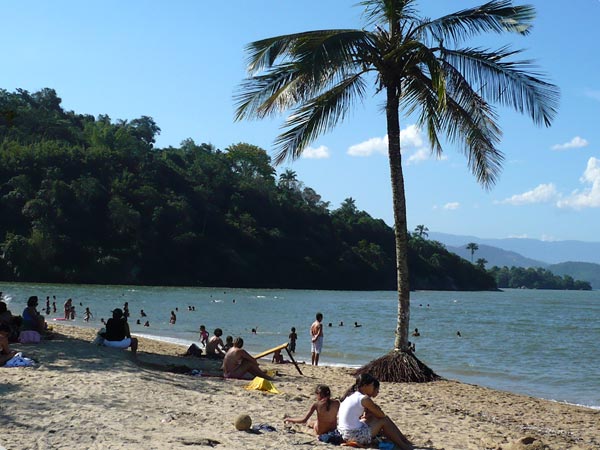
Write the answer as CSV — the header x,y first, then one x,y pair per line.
x,y
317,116
496,16
509,83
307,47
262,95
313,62
382,12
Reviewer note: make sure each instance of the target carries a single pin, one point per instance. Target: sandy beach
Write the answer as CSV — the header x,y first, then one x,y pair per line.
x,y
81,396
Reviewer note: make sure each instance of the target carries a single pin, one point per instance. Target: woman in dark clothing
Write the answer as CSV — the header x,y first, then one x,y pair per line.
x,y
117,333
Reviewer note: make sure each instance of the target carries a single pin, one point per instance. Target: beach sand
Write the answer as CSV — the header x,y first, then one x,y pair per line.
x,y
81,396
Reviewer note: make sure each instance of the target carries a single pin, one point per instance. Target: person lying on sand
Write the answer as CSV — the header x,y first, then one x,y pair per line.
x,y
326,408
238,363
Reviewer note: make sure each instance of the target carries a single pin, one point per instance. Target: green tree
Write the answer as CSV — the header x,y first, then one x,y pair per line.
x,y
473,247
418,64
481,262
421,230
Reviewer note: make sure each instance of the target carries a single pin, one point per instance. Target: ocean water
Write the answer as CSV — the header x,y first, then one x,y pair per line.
x,y
536,342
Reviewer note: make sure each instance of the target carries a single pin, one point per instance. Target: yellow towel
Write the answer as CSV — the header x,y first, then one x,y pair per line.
x,y
260,384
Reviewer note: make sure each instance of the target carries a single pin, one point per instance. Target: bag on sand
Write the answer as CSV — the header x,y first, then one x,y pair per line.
x,y
19,361
29,337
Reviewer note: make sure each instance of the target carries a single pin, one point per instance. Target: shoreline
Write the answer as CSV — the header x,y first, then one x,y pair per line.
x,y
84,396
184,344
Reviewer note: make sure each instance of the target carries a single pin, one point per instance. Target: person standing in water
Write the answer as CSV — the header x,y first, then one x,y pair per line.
x,y
316,336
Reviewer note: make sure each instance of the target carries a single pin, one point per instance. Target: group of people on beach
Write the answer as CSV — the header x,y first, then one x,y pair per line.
x,y
355,419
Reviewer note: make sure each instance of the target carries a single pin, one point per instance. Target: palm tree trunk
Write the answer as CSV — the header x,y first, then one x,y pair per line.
x,y
399,365
400,228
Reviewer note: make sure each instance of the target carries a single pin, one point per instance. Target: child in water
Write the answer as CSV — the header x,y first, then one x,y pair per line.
x,y
87,315
326,408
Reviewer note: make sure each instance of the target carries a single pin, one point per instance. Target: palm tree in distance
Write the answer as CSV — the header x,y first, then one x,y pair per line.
x,y
417,64
421,230
473,247
481,262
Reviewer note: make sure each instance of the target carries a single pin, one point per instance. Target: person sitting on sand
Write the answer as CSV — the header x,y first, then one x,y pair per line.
x,y
32,319
12,322
6,353
277,357
117,334
228,343
238,363
326,408
359,429
214,347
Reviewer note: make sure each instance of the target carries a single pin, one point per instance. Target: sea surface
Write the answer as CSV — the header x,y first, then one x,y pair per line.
x,y
536,342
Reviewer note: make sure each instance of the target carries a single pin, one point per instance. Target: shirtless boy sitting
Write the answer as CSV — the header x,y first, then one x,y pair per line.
x,y
214,347
238,363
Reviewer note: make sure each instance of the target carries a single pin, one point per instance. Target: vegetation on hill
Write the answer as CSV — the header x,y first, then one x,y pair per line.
x,y
535,278
579,270
91,200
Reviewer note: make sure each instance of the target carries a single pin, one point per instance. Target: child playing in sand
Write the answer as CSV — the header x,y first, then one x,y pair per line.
x,y
277,358
203,336
326,408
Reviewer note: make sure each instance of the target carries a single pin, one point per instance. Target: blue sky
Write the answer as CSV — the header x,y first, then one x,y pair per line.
x,y
181,62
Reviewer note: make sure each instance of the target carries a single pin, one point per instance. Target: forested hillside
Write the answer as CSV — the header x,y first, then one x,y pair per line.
x,y
91,200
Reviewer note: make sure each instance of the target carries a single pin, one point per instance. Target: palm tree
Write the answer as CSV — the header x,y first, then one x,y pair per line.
x,y
418,64
481,262
421,230
288,179
473,247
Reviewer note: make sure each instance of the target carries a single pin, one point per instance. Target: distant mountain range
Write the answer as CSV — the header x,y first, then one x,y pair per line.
x,y
550,252
578,259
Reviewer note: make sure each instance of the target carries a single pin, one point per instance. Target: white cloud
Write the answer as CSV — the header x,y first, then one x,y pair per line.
x,y
320,152
367,148
542,194
576,142
451,206
411,140
518,236
590,197
421,154
411,137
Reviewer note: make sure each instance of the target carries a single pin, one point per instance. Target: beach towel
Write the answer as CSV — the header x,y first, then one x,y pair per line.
x,y
19,361
260,384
